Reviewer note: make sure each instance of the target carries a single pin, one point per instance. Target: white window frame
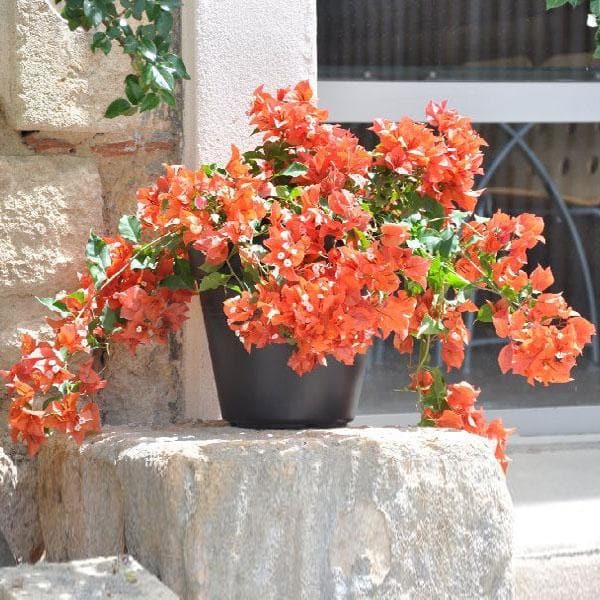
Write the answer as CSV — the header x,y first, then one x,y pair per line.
x,y
483,102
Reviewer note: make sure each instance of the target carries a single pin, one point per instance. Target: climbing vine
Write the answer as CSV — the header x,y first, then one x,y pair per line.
x,y
155,67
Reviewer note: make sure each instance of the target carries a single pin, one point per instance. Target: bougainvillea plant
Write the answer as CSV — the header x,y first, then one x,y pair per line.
x,y
335,246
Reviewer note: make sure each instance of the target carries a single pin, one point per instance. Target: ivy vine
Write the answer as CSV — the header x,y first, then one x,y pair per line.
x,y
156,68
594,11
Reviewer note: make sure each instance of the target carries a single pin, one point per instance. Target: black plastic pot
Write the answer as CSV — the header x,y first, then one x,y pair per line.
x,y
258,390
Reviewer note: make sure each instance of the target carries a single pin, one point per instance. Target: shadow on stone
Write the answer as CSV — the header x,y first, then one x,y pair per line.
x,y
6,557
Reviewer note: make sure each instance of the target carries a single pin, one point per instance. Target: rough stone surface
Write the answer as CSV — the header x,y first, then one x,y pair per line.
x,y
47,207
119,578
49,78
222,513
19,523
231,48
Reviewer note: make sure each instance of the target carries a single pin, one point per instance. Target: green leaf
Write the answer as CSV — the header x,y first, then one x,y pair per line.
x,y
161,77
130,228
92,12
595,7
448,243
102,41
116,108
167,97
456,281
78,295
176,64
147,49
109,319
138,8
169,4
164,23
485,313
54,305
149,102
429,326
144,261
213,280
133,89
182,277
295,170
98,258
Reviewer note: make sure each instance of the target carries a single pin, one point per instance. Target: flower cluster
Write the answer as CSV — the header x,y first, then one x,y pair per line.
x,y
322,245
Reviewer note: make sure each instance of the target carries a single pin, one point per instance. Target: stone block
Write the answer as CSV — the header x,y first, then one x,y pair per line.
x,y
19,523
117,578
223,513
47,207
49,78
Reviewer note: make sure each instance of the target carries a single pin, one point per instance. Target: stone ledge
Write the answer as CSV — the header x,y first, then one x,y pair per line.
x,y
224,513
115,578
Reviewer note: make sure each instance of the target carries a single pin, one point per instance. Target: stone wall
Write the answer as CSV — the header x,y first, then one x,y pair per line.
x,y
65,169
219,513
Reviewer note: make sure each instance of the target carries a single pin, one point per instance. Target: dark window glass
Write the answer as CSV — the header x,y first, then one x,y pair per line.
x,y
488,40
571,155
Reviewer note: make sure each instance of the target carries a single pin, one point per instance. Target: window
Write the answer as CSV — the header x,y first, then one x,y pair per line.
x,y
503,63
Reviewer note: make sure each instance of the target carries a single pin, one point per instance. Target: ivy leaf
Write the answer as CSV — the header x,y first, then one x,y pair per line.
x,y
147,49
138,8
213,280
92,12
149,102
161,77
164,23
101,41
133,89
118,107
98,258
176,64
295,170
130,228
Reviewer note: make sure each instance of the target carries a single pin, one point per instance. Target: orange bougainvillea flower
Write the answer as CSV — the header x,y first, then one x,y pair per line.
x,y
318,244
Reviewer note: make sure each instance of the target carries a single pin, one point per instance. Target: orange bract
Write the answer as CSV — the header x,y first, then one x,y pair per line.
x,y
319,244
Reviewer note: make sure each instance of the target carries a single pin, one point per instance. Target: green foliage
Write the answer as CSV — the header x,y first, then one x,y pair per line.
x,y
295,170
130,228
182,279
213,280
594,10
98,258
156,68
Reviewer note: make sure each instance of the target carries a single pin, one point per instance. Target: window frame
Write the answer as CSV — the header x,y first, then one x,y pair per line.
x,y
484,102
